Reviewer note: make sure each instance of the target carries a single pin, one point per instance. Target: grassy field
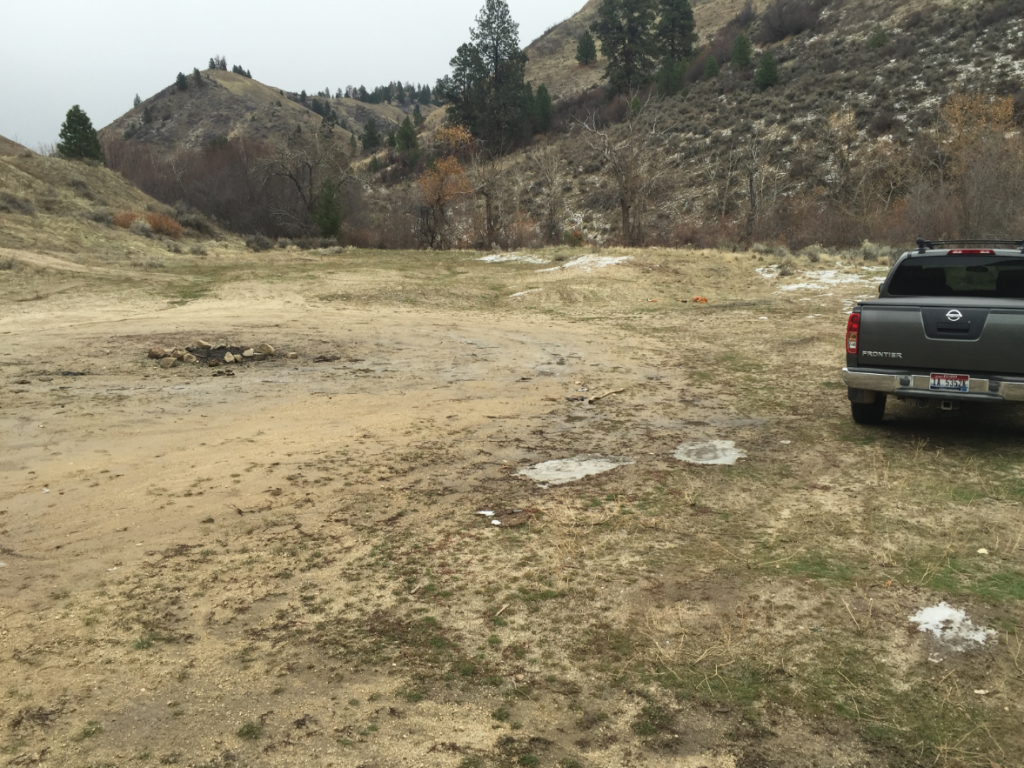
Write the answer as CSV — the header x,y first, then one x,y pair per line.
x,y
286,567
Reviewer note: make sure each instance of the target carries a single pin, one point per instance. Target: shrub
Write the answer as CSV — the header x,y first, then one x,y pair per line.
x,y
13,204
101,216
785,18
140,227
258,243
197,250
767,73
163,225
877,38
124,219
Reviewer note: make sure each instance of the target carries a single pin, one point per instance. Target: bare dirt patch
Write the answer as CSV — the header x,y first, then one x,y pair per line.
x,y
287,567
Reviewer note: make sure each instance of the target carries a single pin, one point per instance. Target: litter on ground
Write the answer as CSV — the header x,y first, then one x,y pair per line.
x,y
588,262
714,452
523,293
951,626
561,471
486,513
526,258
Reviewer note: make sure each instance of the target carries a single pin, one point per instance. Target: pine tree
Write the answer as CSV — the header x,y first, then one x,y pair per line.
x,y
406,137
586,49
371,137
711,68
741,51
181,82
542,109
327,213
417,116
198,77
676,30
136,101
487,90
767,73
78,139
625,29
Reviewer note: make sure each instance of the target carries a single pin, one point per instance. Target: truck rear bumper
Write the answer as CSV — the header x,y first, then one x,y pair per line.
x,y
917,386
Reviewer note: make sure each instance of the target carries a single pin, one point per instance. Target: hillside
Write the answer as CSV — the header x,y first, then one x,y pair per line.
x,y
51,205
230,105
553,54
8,147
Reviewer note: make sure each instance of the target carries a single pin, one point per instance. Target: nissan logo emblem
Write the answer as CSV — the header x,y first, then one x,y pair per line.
x,y
953,315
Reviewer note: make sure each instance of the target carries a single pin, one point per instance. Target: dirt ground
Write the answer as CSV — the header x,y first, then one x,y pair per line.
x,y
284,566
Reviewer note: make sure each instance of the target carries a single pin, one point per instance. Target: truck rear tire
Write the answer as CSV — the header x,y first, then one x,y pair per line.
x,y
869,413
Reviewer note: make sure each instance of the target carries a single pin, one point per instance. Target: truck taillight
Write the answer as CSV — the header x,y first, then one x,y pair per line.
x,y
971,252
853,333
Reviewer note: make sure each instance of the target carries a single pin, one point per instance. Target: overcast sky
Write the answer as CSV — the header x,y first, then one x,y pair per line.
x,y
99,54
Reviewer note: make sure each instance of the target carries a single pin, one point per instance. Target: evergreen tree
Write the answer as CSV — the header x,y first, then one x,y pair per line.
x,y
586,49
417,116
371,137
327,213
767,73
711,68
486,90
542,109
198,77
136,101
741,51
624,28
181,82
78,139
671,77
406,137
392,140
147,115
676,30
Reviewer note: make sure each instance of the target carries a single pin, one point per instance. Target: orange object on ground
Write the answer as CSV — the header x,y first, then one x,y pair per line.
x,y
699,300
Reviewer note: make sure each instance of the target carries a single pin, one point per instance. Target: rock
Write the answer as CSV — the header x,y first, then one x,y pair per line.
x,y
200,344
264,349
188,357
220,344
156,353
168,362
258,356
292,355
214,362
228,357
178,353
249,352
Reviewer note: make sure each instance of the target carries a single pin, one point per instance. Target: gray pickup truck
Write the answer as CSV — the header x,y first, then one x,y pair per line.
x,y
947,327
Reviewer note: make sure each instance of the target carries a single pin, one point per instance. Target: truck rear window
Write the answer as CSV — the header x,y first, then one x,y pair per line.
x,y
991,276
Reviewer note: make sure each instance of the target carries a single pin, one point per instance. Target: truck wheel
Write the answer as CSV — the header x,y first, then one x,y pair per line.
x,y
869,413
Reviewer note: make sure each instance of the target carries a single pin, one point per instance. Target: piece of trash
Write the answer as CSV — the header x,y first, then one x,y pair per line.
x,y
495,522
762,318
579,399
582,389
46,490
723,452
486,512
683,301
524,293
786,442
982,692
112,569
699,300
653,301
561,471
951,626
982,551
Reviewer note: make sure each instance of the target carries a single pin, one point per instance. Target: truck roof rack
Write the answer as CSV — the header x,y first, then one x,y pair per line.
x,y
924,245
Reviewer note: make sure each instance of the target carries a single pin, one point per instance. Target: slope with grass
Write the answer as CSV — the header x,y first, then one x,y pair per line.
x,y
8,147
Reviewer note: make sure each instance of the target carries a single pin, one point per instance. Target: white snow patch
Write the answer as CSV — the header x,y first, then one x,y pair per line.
x,y
951,626
714,452
527,258
561,471
768,273
589,262
826,278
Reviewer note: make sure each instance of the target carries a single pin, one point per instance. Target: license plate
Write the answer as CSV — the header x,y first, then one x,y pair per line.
x,y
950,382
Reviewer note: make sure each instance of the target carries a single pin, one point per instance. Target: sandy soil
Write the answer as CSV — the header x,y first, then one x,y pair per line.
x,y
284,567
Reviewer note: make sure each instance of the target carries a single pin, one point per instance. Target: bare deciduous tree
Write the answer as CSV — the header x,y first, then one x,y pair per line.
x,y
634,155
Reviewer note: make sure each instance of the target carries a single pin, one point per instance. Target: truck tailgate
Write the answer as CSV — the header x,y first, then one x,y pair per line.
x,y
947,336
